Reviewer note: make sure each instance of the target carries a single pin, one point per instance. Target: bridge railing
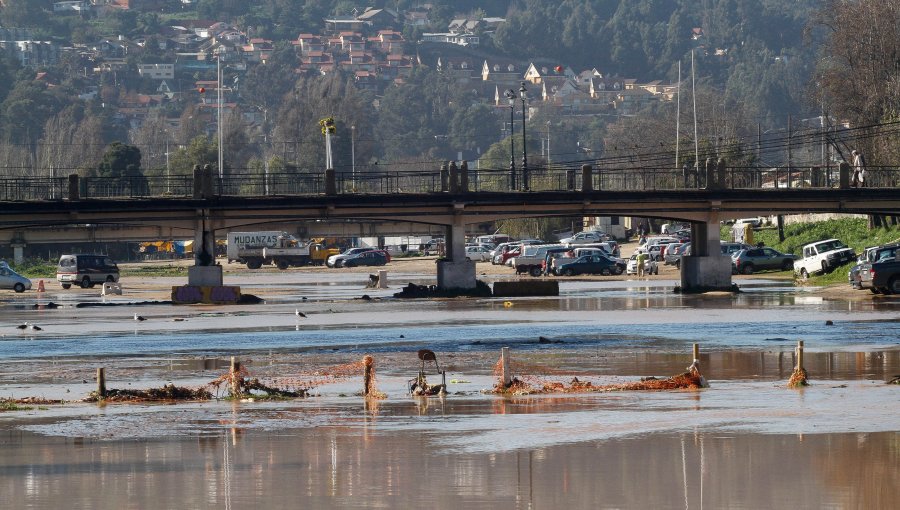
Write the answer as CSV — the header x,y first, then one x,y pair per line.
x,y
484,180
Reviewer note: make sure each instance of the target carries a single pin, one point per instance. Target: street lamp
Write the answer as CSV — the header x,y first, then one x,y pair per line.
x,y
353,153
522,92
511,97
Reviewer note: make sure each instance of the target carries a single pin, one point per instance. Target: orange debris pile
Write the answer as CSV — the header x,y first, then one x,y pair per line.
x,y
536,382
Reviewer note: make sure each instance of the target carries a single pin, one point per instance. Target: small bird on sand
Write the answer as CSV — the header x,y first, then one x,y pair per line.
x,y
22,327
298,313
35,328
139,318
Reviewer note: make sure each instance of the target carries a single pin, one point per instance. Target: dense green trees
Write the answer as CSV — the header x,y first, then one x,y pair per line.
x,y
120,160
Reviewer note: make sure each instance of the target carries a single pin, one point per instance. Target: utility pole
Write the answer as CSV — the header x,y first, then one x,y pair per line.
x,y
219,113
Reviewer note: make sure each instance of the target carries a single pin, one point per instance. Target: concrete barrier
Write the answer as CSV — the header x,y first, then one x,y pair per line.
x,y
523,288
111,288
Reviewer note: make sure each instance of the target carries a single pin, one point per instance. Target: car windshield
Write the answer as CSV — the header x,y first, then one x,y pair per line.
x,y
887,253
830,246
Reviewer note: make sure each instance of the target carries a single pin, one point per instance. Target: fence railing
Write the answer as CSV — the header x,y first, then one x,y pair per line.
x,y
478,181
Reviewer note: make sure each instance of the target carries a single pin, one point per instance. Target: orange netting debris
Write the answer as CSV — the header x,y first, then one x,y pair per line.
x,y
798,378
166,393
301,384
536,382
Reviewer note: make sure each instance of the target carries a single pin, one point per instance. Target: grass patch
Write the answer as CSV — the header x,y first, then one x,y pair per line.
x,y
9,405
35,268
155,271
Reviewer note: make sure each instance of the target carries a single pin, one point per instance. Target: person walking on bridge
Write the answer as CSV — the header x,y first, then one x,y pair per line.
x,y
859,170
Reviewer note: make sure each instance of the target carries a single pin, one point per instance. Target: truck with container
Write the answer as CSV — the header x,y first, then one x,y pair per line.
x,y
251,240
279,248
303,254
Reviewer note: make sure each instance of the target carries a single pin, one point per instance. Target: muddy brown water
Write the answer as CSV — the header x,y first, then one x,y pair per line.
x,y
746,442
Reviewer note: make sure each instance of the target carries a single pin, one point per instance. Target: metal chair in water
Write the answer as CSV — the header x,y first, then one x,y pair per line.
x,y
419,385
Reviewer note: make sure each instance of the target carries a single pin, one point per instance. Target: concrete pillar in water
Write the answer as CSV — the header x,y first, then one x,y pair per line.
x,y
204,272
706,269
455,271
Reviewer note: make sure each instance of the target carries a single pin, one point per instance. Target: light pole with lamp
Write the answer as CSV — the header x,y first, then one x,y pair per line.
x,y
511,97
525,186
353,153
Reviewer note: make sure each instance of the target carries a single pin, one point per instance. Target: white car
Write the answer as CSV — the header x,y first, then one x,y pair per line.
x,y
586,237
10,279
651,266
477,253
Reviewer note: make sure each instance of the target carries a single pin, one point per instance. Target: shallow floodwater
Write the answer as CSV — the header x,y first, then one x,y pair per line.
x,y
747,442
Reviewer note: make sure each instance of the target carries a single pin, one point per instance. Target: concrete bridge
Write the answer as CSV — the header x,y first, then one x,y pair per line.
x,y
452,199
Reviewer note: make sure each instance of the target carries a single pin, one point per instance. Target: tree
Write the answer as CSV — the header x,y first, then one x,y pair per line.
x,y
120,160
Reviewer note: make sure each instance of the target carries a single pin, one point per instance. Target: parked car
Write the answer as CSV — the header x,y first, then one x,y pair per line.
x,y
338,260
591,264
823,257
366,258
586,237
673,253
500,250
760,259
86,270
869,255
10,279
882,274
477,253
532,258
631,267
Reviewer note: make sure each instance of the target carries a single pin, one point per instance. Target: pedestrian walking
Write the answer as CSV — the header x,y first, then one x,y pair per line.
x,y
859,169
642,264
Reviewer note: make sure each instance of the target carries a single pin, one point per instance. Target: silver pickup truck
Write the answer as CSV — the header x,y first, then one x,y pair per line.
x,y
531,260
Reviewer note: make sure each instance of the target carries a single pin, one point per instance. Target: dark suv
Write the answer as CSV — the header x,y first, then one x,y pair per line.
x,y
748,261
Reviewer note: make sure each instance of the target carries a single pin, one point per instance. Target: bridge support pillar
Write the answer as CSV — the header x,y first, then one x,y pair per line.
x,y
706,269
204,272
455,271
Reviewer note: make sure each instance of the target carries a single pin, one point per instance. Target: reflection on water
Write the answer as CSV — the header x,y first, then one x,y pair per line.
x,y
339,467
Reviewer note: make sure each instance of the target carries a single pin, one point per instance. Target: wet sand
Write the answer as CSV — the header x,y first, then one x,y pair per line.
x,y
746,442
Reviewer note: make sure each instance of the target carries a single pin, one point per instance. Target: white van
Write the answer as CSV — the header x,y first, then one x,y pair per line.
x,y
86,270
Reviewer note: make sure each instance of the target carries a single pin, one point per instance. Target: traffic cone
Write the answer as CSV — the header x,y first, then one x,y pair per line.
x,y
41,286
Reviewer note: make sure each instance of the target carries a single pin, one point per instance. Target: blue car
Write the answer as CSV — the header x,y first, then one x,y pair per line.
x,y
591,264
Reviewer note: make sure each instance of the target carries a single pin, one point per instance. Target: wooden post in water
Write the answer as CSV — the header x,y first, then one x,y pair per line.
x,y
368,365
504,367
697,352
799,354
235,377
101,382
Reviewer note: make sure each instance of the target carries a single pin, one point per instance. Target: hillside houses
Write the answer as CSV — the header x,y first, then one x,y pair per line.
x,y
369,46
